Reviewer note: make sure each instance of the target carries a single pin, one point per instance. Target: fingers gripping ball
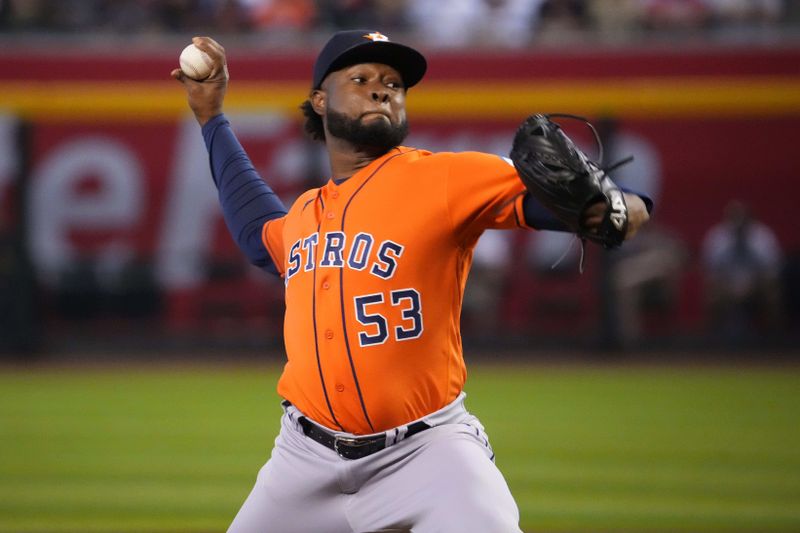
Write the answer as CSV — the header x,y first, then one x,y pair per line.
x,y
195,63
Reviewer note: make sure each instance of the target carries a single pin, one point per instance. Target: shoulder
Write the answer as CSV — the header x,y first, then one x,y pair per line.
x,y
304,200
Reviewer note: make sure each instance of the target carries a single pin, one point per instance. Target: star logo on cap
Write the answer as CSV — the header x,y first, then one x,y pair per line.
x,y
376,36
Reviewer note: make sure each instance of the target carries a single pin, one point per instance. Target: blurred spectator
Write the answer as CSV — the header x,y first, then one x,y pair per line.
x,y
509,23
487,279
446,23
615,19
281,14
455,23
560,20
746,11
791,12
645,279
226,16
743,19
684,15
390,14
5,14
673,15
742,260
335,14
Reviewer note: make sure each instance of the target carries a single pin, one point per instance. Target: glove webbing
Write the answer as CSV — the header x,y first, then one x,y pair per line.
x,y
600,153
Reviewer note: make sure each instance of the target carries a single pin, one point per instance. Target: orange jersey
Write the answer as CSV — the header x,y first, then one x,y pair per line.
x,y
375,269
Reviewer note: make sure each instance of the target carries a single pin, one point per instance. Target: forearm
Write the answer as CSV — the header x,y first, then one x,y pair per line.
x,y
539,217
247,201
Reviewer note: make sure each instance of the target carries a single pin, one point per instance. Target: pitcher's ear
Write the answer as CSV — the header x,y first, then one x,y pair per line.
x,y
318,101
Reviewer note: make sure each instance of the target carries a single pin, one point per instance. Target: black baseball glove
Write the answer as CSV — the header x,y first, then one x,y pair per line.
x,y
560,176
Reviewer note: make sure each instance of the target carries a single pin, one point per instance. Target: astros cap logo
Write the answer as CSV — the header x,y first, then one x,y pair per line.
x,y
376,36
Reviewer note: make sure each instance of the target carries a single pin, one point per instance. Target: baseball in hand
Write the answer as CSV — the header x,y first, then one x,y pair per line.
x,y
195,63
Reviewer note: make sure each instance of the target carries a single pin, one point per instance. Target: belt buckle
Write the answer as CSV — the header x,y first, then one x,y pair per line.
x,y
346,441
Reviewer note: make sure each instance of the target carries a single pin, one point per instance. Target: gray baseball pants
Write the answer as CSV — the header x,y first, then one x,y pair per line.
x,y
440,480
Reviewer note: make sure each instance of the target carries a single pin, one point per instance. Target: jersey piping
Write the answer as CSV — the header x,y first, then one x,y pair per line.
x,y
341,291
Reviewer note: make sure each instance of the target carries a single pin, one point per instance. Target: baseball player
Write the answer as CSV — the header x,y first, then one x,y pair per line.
x,y
375,435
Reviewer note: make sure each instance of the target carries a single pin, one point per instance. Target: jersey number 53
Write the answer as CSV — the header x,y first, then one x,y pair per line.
x,y
407,301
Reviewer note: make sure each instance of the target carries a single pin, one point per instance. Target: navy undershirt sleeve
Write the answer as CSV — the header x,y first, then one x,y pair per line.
x,y
539,217
247,201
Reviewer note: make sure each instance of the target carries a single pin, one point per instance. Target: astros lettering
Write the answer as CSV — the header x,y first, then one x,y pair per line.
x,y
338,251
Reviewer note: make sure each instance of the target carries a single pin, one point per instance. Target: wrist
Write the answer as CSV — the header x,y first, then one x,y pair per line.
x,y
211,124
204,118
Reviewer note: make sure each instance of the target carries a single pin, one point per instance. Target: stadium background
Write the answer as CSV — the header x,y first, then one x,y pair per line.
x,y
139,352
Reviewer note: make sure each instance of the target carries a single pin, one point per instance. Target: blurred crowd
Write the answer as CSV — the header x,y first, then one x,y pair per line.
x,y
443,23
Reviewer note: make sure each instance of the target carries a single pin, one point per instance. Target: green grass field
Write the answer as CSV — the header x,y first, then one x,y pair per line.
x,y
584,449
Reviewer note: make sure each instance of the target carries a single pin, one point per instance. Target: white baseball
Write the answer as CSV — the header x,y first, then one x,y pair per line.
x,y
195,63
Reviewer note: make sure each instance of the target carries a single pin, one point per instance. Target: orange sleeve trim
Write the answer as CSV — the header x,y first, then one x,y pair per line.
x,y
264,239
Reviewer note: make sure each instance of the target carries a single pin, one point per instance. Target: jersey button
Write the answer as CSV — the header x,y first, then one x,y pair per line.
x,y
329,334
340,387
329,215
335,194
326,285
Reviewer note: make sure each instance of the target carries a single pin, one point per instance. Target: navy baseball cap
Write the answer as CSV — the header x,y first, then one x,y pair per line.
x,y
351,47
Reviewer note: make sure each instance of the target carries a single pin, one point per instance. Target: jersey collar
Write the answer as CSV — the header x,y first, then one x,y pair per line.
x,y
367,171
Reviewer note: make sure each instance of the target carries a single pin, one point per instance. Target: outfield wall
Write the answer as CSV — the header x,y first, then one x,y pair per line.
x,y
118,170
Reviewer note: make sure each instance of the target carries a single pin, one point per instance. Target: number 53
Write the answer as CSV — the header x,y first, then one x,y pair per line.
x,y
408,300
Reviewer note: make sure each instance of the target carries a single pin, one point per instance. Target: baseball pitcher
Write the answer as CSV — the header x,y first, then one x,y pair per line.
x,y
375,435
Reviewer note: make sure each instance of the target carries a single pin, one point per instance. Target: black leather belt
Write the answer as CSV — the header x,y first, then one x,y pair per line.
x,y
353,448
